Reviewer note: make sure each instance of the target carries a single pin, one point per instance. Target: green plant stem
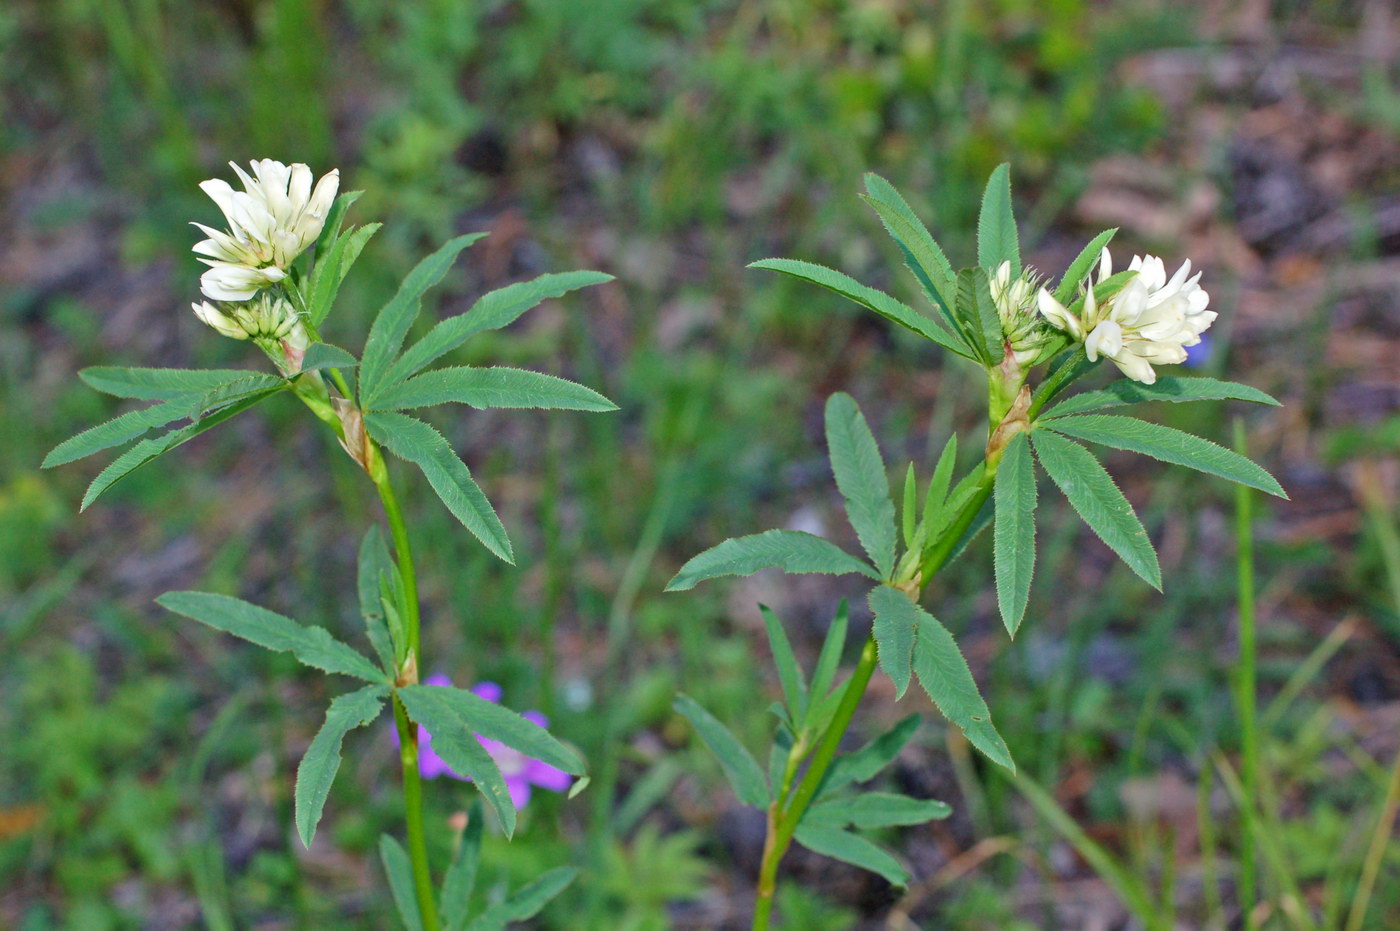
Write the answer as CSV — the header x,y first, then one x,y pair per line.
x,y
1245,681
404,555
783,820
408,675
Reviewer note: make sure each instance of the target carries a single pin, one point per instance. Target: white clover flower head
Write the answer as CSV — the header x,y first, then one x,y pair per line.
x,y
1149,322
270,222
269,321
1015,301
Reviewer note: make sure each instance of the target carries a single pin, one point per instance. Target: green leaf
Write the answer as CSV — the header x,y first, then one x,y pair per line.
x,y
944,675
864,764
494,310
400,873
878,301
457,885
373,565
997,241
157,384
221,396
325,356
979,313
1125,392
1013,550
392,323
335,218
938,486
1082,265
894,633
322,760
492,721
312,646
853,849
1098,501
1168,445
118,430
457,744
792,551
527,903
873,810
328,275
740,768
789,672
824,673
420,444
922,254
148,449
495,387
908,511
860,474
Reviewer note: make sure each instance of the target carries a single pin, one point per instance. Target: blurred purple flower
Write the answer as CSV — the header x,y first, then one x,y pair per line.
x,y
1199,354
520,771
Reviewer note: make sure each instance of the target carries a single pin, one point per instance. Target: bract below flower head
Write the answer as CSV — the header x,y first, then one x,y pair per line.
x,y
1149,322
270,222
521,773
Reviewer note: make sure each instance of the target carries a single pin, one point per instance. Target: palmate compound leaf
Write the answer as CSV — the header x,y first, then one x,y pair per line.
x,y
894,635
325,356
1013,548
853,849
944,674
873,810
789,670
400,873
740,768
860,475
1168,388
1168,445
372,566
132,424
157,384
455,716
1094,496
391,325
322,760
422,445
148,449
865,763
922,254
878,301
1082,265
790,550
979,313
329,272
312,646
119,430
493,310
526,903
493,387
997,240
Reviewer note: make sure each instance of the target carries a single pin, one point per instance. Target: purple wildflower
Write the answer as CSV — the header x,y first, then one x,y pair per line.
x,y
520,771
1199,354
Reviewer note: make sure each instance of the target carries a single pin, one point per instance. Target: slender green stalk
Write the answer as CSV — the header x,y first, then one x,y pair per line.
x,y
1380,839
1245,689
783,820
408,675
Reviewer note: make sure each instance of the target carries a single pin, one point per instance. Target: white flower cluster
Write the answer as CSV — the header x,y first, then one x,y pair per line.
x,y
271,221
1015,302
1149,322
